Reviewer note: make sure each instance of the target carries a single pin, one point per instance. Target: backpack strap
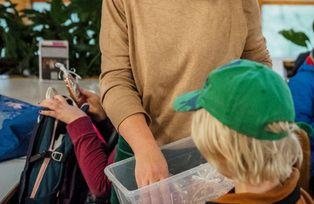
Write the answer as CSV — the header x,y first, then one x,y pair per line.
x,y
54,155
38,156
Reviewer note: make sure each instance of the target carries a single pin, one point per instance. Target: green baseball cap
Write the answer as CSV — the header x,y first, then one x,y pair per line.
x,y
245,96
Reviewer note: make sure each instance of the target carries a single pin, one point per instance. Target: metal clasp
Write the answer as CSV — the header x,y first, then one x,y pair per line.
x,y
57,156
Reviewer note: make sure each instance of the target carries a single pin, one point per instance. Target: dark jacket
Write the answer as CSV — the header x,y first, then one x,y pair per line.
x,y
302,89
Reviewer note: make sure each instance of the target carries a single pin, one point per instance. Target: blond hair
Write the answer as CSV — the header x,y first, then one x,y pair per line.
x,y
243,158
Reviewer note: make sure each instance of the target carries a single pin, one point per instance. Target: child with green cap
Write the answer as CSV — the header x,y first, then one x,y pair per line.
x,y
244,127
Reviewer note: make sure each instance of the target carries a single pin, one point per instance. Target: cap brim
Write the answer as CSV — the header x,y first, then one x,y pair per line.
x,y
187,102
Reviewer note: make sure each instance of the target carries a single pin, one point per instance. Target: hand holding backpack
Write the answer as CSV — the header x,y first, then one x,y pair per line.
x,y
51,173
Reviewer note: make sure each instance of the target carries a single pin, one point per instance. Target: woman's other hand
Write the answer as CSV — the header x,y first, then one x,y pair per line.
x,y
95,110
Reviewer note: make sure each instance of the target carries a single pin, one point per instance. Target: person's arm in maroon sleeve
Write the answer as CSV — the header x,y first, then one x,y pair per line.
x,y
90,153
89,149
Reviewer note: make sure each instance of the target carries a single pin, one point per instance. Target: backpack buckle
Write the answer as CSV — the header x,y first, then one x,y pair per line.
x,y
57,156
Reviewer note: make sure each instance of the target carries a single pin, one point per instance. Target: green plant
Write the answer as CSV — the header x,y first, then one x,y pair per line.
x,y
85,41
297,37
77,22
16,38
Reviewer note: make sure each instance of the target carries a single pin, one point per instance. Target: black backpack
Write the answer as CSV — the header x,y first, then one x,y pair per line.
x,y
51,173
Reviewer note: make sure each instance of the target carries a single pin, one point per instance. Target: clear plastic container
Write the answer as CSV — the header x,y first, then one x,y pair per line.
x,y
192,179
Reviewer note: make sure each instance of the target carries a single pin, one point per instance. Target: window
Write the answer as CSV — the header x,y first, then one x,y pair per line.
x,y
279,17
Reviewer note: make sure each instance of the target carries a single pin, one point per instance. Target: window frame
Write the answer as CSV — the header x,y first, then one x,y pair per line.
x,y
287,2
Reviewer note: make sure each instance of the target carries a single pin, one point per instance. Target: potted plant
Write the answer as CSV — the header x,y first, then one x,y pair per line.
x,y
78,22
301,39
16,41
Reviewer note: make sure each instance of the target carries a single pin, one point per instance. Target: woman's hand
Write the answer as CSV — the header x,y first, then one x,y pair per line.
x,y
95,109
61,110
151,165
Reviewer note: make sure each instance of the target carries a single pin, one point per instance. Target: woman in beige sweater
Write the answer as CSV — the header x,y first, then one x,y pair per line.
x,y
154,50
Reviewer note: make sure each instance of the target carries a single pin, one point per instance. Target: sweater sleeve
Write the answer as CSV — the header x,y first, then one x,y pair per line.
x,y
119,94
90,154
255,46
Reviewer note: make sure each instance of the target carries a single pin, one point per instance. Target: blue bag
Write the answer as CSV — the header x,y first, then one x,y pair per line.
x,y
17,120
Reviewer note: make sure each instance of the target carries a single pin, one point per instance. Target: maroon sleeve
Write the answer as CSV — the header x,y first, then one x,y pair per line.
x,y
89,150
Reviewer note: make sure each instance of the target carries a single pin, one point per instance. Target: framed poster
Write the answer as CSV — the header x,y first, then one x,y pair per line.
x,y
51,52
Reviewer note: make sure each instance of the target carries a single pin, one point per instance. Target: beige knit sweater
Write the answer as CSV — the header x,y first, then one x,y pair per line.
x,y
155,50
